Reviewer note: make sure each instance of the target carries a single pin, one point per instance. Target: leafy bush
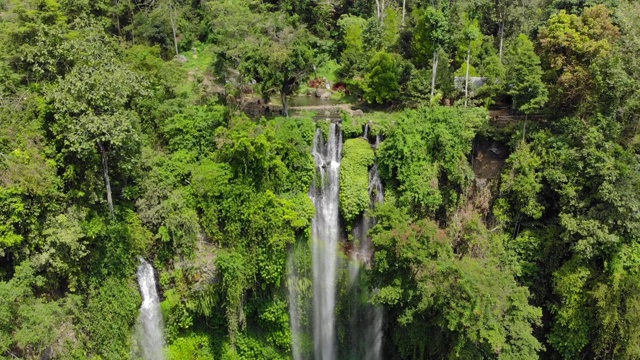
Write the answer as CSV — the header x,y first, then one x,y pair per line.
x,y
354,178
191,347
425,156
108,318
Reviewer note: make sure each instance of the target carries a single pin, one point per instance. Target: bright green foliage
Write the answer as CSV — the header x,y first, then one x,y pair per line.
x,y
251,348
28,324
352,57
29,185
255,168
193,347
381,83
390,27
492,69
425,156
109,315
93,119
357,157
235,278
522,184
525,76
64,247
430,35
90,95
194,130
274,319
589,219
37,40
165,205
352,127
469,39
423,284
572,325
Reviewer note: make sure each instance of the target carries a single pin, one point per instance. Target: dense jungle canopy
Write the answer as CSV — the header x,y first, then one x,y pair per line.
x,y
506,134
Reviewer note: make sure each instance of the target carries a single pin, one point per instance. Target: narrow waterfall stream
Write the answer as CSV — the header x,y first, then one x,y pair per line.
x,y
368,345
325,234
150,324
376,196
294,306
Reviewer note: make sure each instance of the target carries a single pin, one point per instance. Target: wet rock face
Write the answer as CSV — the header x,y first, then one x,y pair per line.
x,y
488,158
498,150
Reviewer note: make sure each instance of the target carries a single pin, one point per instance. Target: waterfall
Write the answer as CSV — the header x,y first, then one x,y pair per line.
x,y
294,308
364,252
325,234
368,318
371,343
376,196
373,337
378,140
150,325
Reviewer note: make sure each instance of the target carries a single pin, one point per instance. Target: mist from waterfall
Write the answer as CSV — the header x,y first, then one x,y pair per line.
x,y
149,329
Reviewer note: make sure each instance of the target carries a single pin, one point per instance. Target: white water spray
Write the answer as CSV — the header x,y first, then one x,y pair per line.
x,y
325,234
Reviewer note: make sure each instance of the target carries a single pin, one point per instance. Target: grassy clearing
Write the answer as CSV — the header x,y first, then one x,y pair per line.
x,y
204,60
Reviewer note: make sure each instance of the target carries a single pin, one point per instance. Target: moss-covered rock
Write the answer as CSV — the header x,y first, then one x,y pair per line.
x,y
354,178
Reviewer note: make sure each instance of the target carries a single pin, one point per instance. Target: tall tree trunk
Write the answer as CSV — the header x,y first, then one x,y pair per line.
x,y
105,171
466,78
285,105
501,38
404,10
380,7
172,17
434,72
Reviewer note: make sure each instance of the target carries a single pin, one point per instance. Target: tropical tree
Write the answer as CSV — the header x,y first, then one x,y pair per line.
x,y
570,44
280,60
470,34
382,81
93,114
431,36
525,77
353,57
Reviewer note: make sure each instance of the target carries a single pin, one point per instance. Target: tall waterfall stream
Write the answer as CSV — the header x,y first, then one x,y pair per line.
x,y
365,339
150,324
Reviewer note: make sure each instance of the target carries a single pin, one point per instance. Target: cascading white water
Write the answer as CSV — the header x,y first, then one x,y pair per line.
x,y
325,234
150,324
294,306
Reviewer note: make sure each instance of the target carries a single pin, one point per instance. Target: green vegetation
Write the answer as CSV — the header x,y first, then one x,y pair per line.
x,y
357,157
112,147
